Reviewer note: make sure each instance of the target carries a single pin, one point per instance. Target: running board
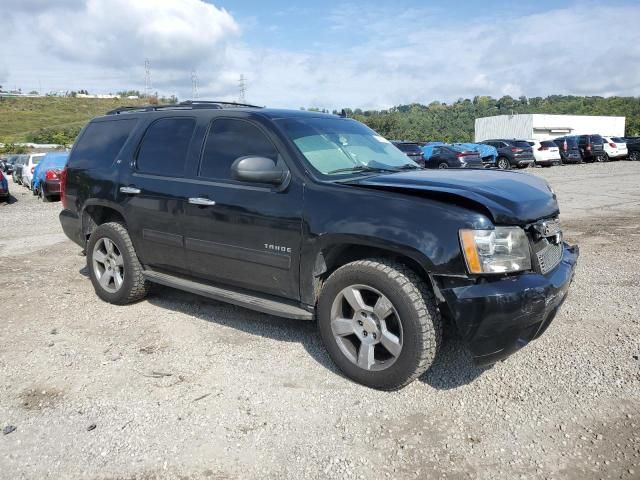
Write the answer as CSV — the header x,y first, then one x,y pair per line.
x,y
252,302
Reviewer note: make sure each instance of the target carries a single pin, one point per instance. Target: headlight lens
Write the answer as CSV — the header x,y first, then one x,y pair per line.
x,y
502,250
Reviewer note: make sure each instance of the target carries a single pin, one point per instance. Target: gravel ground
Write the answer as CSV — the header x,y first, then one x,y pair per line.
x,y
178,386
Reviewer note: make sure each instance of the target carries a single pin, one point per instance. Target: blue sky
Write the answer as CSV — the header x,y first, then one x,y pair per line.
x,y
330,54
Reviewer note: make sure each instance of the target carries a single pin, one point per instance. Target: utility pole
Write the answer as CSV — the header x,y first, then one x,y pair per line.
x,y
194,85
242,85
147,77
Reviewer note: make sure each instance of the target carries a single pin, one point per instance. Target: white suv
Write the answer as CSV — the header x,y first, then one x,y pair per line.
x,y
28,168
545,152
615,148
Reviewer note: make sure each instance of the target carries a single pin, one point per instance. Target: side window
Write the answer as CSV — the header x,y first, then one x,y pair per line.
x,y
101,142
436,151
229,139
164,146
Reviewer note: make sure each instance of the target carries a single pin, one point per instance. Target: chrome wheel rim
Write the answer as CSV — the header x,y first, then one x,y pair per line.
x,y
108,265
366,327
443,165
502,164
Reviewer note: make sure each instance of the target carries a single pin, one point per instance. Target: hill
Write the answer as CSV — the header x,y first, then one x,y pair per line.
x,y
25,119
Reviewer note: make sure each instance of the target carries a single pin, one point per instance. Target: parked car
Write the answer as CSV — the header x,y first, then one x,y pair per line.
x,y
545,152
313,216
8,164
591,148
633,147
4,188
17,169
569,151
488,154
512,153
451,156
427,149
46,176
411,150
29,167
615,148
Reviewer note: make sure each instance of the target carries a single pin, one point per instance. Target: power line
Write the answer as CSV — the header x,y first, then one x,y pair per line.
x,y
242,85
194,85
147,77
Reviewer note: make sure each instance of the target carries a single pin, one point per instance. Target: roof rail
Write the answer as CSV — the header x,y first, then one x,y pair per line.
x,y
187,105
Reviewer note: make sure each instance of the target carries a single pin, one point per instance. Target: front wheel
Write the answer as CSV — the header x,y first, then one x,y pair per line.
x,y
114,268
379,322
443,165
503,164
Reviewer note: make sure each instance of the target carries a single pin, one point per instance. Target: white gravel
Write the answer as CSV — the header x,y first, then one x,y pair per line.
x,y
178,386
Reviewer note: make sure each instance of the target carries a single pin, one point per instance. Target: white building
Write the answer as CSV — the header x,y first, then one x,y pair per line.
x,y
540,127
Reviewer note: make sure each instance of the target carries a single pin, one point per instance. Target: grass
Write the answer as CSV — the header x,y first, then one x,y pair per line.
x,y
21,116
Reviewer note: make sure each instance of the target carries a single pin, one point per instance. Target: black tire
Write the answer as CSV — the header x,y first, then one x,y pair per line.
x,y
443,165
134,286
43,196
503,163
417,312
634,156
604,157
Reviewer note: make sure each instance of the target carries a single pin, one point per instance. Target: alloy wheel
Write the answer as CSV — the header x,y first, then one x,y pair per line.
x,y
443,165
366,327
503,164
108,265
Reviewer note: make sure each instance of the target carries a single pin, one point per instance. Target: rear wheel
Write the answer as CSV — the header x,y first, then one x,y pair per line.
x,y
114,268
443,165
635,156
43,196
604,157
379,323
503,163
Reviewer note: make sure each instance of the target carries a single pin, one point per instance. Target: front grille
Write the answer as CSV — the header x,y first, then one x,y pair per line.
x,y
549,257
546,245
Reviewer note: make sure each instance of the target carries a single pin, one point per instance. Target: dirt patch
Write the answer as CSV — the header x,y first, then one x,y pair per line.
x,y
39,398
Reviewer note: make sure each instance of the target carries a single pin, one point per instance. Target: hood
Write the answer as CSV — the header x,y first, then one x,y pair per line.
x,y
510,198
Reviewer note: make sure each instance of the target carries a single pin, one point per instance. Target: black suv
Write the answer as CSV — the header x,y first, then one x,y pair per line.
x,y
569,150
411,150
313,216
633,146
591,148
512,153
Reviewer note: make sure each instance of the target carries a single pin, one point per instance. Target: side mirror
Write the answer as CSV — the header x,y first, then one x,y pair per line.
x,y
258,170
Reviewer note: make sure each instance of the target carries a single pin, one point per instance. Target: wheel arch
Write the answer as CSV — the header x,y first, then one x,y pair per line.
x,y
95,213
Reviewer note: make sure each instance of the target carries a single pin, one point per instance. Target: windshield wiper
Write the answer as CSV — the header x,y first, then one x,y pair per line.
x,y
362,168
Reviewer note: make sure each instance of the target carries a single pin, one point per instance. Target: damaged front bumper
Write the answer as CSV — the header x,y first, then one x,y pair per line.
x,y
497,317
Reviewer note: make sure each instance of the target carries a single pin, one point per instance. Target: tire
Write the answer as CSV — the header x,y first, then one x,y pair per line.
x,y
413,320
443,165
634,156
503,163
132,284
604,157
43,196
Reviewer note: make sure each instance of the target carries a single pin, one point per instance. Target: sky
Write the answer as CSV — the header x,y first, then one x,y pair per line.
x,y
330,54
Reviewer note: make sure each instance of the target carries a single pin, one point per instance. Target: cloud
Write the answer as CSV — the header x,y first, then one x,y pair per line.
x,y
367,58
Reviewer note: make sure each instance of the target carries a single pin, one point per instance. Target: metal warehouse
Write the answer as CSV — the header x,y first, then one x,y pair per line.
x,y
540,127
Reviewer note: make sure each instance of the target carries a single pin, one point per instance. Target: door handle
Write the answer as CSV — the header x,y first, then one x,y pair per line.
x,y
130,190
201,201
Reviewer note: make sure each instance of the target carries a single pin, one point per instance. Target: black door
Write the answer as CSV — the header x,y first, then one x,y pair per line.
x,y
153,193
236,233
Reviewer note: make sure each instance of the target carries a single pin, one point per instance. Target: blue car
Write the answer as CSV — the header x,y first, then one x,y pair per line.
x,y
488,153
427,149
46,176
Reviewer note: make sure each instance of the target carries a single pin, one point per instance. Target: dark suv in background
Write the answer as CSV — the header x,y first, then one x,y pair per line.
x,y
591,148
512,153
569,151
316,217
411,150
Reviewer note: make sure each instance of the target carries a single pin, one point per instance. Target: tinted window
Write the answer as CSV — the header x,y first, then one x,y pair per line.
x,y
617,140
408,147
548,143
596,139
229,139
101,142
521,144
164,147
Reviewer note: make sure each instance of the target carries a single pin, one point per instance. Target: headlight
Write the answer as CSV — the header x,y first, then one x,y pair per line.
x,y
502,250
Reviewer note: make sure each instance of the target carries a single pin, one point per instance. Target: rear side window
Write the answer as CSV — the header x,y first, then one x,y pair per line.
x,y
229,139
101,142
164,147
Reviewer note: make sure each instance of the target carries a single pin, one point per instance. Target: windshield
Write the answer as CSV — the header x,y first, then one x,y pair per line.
x,y
336,146
617,140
